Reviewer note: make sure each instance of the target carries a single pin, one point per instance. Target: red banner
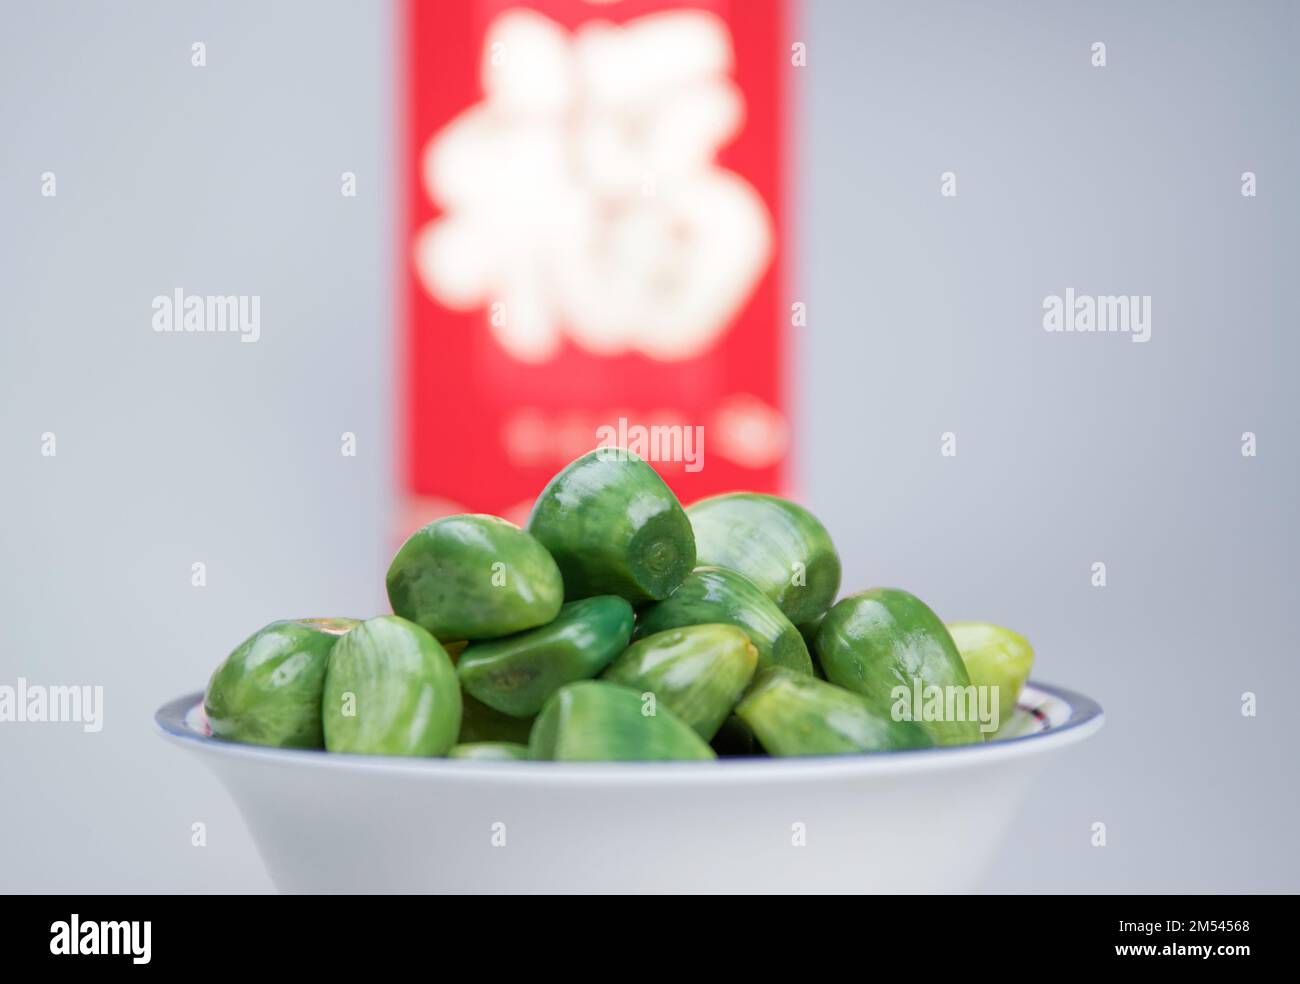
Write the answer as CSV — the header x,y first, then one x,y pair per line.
x,y
591,245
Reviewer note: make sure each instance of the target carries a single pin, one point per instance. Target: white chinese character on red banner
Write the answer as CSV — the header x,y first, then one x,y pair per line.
x,y
581,196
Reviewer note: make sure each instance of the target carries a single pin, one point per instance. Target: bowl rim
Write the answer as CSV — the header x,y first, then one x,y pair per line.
x,y
1085,719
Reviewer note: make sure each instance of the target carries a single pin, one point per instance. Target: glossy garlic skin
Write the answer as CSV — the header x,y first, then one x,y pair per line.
x,y
877,640
516,675
792,714
614,527
474,577
268,690
490,751
715,594
994,657
621,627
390,689
596,721
698,672
779,545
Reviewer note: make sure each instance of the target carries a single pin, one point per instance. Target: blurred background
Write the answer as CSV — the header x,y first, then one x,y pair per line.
x,y
762,175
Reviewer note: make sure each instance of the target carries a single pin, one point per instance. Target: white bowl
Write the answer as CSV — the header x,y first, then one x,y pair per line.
x,y
921,821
